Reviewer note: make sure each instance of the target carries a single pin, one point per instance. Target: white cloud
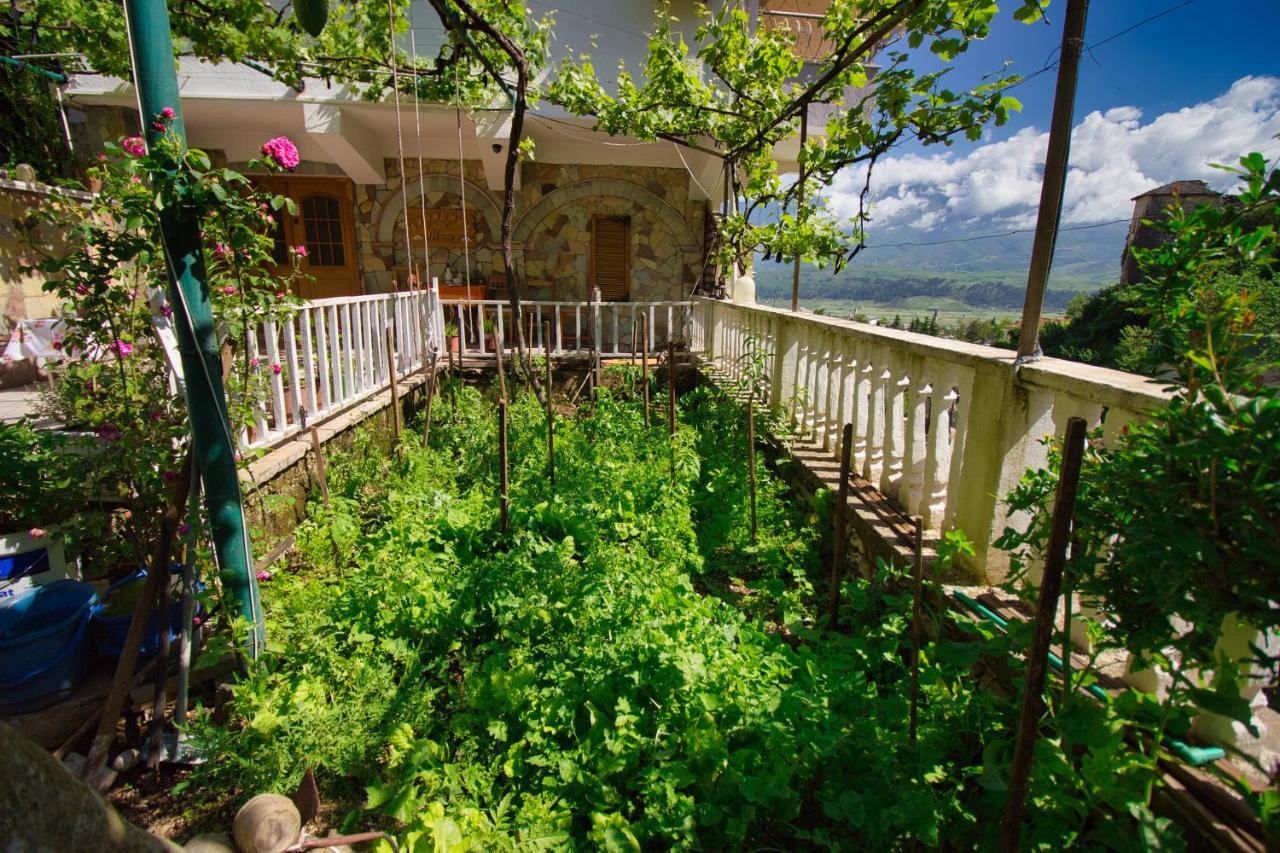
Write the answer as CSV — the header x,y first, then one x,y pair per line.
x,y
1114,156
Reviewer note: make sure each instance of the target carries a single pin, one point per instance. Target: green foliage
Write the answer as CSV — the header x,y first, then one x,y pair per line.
x,y
1096,329
30,125
740,88
625,670
1177,517
104,261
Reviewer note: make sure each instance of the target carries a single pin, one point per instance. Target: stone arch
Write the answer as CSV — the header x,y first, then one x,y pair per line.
x,y
476,197
596,187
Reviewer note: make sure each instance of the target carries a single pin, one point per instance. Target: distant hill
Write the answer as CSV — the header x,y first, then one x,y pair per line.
x,y
977,274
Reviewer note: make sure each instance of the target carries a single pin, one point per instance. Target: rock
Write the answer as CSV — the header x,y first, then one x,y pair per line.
x,y
212,843
47,809
126,760
269,823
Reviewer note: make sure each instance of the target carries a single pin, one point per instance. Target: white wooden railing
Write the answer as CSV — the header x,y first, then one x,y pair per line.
x,y
332,353
481,324
898,388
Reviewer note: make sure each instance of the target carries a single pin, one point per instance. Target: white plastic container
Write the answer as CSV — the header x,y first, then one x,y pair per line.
x,y
27,561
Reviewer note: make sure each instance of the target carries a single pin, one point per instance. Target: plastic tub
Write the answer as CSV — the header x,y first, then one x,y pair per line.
x,y
111,621
44,647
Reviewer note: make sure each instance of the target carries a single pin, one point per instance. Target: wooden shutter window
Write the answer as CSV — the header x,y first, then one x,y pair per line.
x,y
610,242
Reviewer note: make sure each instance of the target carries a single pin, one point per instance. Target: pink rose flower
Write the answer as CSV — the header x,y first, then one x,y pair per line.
x,y
282,151
102,158
253,362
57,343
196,621
300,251
264,575
166,310
82,289
171,476
276,369
271,220
124,348
36,533
168,112
134,146
280,294
159,125
229,290
183,529
220,250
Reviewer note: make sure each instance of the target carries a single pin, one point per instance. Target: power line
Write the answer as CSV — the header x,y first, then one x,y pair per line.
x,y
990,236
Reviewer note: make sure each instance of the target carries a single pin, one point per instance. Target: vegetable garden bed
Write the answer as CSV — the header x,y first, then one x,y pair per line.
x,y
625,669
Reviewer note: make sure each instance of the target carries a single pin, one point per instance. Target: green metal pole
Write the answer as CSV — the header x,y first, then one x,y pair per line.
x,y
156,78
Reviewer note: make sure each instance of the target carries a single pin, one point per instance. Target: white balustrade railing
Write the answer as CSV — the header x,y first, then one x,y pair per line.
x,y
944,428
480,325
332,353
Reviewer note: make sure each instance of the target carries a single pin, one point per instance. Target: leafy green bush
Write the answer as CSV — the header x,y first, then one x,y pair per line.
x,y
625,669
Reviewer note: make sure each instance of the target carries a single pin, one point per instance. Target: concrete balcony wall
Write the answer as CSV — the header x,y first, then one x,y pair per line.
x,y
944,429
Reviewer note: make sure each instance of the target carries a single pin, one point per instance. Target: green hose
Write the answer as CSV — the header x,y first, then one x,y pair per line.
x,y
1193,755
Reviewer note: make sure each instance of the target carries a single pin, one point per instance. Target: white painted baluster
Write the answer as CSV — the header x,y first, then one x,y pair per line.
x,y
296,376
873,461
916,395
937,463
613,310
350,383
895,426
330,356
577,327
671,329
961,410
480,332
653,340
309,362
275,376
254,359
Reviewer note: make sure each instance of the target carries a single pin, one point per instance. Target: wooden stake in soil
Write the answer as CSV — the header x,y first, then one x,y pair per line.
x,y
917,582
1046,609
502,377
751,460
644,363
395,391
321,473
161,700
504,485
840,527
671,401
671,390
158,571
551,429
426,416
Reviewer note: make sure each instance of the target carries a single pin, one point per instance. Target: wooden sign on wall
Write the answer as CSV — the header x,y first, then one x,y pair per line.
x,y
444,227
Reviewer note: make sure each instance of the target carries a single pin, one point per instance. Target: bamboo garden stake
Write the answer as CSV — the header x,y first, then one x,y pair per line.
x,y
917,581
751,460
504,485
644,363
842,509
395,390
1064,506
551,438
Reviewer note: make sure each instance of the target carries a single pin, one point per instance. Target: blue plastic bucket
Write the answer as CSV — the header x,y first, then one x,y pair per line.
x,y
109,631
44,648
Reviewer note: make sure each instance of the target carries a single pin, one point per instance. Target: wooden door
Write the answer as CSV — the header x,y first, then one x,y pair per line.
x,y
610,257
324,224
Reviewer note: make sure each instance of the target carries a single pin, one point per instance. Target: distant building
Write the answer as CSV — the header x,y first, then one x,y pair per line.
x,y
1153,205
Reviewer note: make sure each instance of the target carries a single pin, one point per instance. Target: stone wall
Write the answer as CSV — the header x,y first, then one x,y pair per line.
x,y
551,232
21,293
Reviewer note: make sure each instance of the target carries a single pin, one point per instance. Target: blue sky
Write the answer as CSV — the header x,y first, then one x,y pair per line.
x,y
1197,85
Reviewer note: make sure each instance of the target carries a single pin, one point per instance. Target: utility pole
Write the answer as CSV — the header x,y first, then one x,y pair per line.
x,y
157,84
795,273
1055,176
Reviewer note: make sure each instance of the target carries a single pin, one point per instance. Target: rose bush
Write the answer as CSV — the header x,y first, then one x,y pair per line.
x,y
109,272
